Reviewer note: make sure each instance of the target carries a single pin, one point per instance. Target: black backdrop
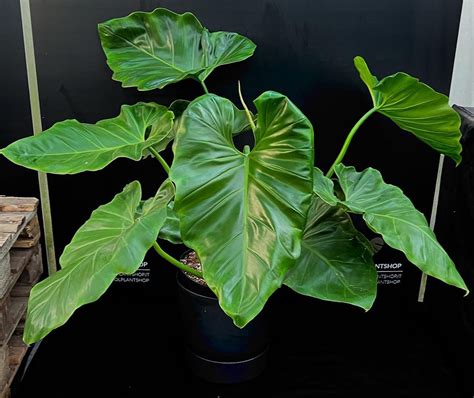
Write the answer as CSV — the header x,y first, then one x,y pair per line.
x,y
305,50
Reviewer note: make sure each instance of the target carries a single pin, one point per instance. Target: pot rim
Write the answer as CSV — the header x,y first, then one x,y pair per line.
x,y
189,290
263,353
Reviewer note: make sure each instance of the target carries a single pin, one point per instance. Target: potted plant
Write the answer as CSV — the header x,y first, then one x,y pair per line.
x,y
257,218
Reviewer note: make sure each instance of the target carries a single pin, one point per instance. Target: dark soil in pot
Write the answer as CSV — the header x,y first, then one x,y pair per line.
x,y
217,350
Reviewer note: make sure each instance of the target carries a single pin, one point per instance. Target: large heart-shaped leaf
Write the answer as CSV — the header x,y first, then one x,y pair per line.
x,y
152,50
114,240
70,147
336,260
415,107
243,213
387,211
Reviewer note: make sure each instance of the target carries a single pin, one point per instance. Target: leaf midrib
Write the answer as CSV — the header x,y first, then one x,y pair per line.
x,y
245,235
421,228
155,57
366,213
106,149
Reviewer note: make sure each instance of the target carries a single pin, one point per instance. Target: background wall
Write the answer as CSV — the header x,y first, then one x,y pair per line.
x,y
305,50
15,119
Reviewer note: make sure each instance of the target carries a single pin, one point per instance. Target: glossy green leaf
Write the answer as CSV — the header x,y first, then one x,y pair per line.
x,y
114,240
178,107
170,229
336,260
417,108
243,213
151,50
324,187
71,147
387,211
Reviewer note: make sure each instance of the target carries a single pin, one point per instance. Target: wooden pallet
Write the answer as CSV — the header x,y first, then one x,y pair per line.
x,y
15,214
26,266
16,352
20,268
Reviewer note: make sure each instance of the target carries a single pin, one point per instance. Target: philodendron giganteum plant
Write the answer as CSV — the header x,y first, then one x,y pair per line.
x,y
257,218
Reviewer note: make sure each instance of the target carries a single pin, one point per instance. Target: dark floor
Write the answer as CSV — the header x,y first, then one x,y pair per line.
x,y
122,347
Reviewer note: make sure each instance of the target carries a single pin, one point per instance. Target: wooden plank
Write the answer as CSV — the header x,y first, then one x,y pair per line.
x,y
13,307
23,290
10,222
17,310
10,227
17,347
5,318
11,217
4,366
13,304
20,327
15,356
33,274
4,311
4,273
6,242
33,269
9,241
31,230
30,235
16,352
12,203
5,238
19,259
6,392
26,243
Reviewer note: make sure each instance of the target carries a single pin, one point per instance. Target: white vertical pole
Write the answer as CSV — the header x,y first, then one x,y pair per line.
x,y
462,83
460,93
37,128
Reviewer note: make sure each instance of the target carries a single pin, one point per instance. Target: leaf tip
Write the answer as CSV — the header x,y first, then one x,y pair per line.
x,y
367,305
360,63
29,336
28,340
457,159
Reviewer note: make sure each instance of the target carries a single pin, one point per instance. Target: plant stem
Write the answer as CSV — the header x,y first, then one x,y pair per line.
x,y
175,262
434,212
348,140
37,129
160,159
204,86
249,115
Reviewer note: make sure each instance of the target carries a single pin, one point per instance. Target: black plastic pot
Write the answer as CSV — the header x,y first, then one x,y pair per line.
x,y
217,350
